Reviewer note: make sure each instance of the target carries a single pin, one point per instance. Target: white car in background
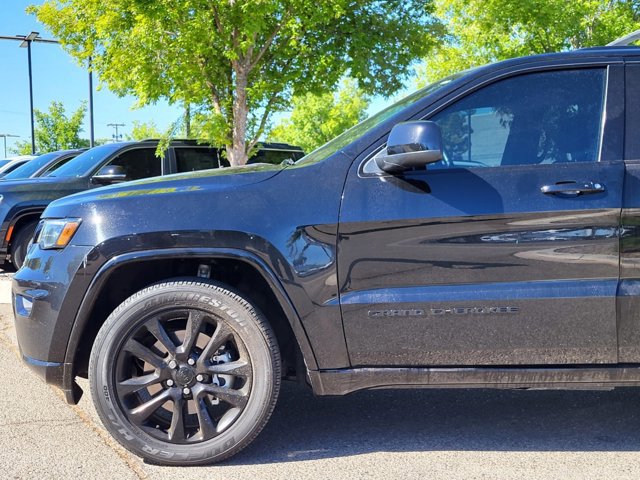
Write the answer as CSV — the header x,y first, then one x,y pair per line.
x,y
10,164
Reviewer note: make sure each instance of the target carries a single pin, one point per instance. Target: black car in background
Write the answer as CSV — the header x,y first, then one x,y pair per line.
x,y
43,164
24,200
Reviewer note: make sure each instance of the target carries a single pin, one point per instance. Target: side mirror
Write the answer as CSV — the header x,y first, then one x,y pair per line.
x,y
110,174
411,144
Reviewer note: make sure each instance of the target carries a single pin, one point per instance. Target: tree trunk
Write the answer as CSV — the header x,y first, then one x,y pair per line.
x,y
237,151
187,120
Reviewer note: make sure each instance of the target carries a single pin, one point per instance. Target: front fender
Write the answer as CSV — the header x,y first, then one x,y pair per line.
x,y
107,269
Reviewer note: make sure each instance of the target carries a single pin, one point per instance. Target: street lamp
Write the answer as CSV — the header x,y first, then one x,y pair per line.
x,y
4,137
26,41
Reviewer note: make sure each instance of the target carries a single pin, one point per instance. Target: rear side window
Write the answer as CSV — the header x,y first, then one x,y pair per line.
x,y
194,159
139,163
531,119
275,157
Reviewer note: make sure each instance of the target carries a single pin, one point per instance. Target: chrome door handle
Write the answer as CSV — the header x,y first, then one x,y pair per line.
x,y
573,189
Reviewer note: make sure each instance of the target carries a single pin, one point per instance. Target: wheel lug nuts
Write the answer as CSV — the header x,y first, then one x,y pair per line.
x,y
191,361
186,391
199,378
173,364
169,383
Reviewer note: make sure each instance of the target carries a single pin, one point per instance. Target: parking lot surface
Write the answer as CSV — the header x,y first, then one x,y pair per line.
x,y
385,434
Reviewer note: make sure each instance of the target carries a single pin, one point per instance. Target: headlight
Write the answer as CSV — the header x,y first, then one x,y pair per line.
x,y
57,233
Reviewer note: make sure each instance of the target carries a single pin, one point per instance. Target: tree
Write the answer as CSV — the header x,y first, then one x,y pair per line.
x,y
316,119
239,61
141,131
54,130
484,31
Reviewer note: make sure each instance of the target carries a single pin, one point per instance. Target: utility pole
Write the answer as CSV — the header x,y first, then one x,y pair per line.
x,y
4,137
116,137
26,41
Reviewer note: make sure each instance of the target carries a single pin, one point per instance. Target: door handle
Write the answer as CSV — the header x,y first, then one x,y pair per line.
x,y
573,189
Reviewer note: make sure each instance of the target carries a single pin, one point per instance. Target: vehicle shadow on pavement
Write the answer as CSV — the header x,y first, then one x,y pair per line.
x,y
304,427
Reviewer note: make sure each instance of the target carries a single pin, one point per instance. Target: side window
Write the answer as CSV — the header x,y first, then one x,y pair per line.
x,y
56,165
198,158
139,163
275,156
536,118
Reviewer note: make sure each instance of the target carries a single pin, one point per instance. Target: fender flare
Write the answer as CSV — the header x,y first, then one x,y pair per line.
x,y
95,287
15,215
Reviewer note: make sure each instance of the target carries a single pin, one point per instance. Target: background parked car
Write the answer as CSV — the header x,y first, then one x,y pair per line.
x,y
24,201
10,164
43,164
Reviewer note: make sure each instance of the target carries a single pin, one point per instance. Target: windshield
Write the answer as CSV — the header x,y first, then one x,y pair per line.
x,y
372,122
4,162
29,168
85,162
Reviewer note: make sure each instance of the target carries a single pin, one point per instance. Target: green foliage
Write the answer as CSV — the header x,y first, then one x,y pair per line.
x,y
54,130
316,119
238,61
142,130
484,31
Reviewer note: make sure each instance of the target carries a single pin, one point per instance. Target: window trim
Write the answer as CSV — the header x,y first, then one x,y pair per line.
x,y
612,119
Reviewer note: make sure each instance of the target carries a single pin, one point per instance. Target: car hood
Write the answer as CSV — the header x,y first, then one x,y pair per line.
x,y
160,201
35,184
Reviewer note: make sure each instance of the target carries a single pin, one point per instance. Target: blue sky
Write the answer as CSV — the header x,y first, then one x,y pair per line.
x,y
57,77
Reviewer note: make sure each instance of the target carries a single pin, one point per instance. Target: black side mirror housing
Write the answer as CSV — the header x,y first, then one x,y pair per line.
x,y
410,145
110,174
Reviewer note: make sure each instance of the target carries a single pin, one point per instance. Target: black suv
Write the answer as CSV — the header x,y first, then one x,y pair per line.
x,y
24,200
482,232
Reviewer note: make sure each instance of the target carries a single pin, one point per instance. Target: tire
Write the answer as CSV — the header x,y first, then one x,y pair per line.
x,y
20,243
208,403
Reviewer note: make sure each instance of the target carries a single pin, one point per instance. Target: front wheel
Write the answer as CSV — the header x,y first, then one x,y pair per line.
x,y
185,373
21,242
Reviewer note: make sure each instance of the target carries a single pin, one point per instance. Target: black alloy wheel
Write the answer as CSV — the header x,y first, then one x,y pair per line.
x,y
185,373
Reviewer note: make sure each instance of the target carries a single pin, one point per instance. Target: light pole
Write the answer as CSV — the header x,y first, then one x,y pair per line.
x,y
26,41
4,137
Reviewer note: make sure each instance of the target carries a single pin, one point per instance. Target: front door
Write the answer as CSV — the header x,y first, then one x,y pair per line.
x,y
506,251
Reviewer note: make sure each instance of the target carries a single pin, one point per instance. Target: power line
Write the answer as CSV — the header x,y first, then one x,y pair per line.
x,y
116,137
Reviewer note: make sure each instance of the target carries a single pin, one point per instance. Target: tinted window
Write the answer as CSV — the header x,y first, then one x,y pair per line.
x,y
56,165
31,167
11,168
538,118
194,159
139,163
275,156
86,162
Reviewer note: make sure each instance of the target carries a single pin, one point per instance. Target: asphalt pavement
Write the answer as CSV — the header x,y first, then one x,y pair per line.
x,y
382,434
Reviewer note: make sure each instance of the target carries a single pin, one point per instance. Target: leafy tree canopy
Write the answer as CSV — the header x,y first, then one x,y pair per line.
x,y
141,131
54,130
239,61
316,119
484,31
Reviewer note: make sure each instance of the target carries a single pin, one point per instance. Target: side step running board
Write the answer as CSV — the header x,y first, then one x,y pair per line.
x,y
340,382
